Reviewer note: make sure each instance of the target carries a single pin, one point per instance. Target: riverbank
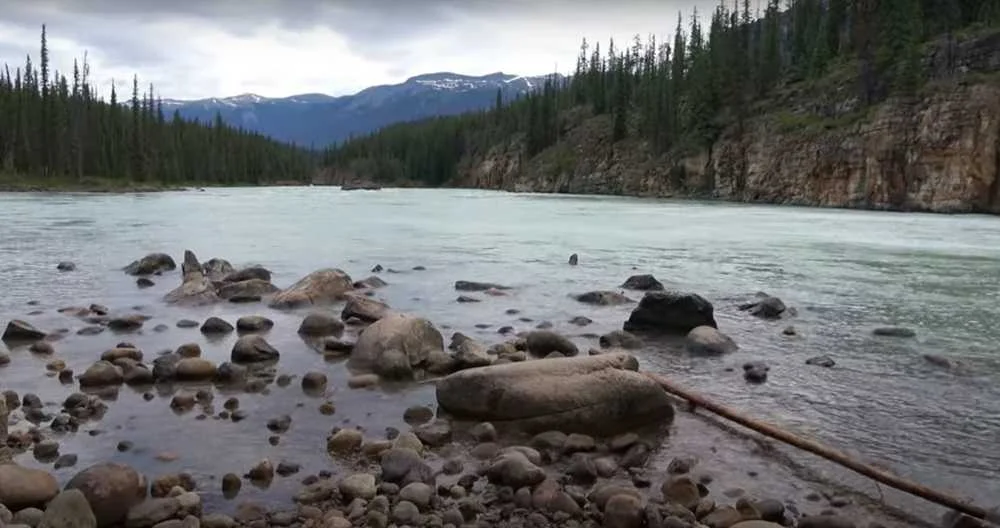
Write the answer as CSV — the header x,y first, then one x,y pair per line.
x,y
426,468
17,184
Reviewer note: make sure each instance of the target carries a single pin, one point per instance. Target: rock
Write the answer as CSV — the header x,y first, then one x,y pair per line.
x,y
478,286
322,287
670,313
286,468
314,381
821,361
581,320
254,323
364,308
765,307
681,490
111,489
65,461
152,512
623,511
46,449
825,521
603,298
251,290
582,468
620,339
470,354
263,471
402,466
358,486
66,266
216,326
100,374
395,345
894,331
187,323
789,331
418,493
344,442
195,289
755,372
434,434
643,283
195,369
770,510
724,517
574,259
279,424
597,395
251,273
406,513
25,488
162,486
706,340
467,299
681,465
189,350
151,264
319,324
579,442
483,432
217,520
69,509
542,342
144,282
362,381
42,348
253,349
372,282
418,414
601,495
115,354
18,330
231,484
515,470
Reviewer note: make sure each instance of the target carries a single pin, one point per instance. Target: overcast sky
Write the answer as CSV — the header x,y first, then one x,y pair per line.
x,y
205,48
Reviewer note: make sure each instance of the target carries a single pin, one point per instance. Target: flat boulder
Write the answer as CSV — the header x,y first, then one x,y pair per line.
x,y
478,286
670,312
18,330
22,487
196,288
705,340
597,395
644,282
150,264
111,489
603,298
364,308
396,345
325,286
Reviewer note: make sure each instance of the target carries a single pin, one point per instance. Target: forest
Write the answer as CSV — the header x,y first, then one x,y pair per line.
x,y
56,132
679,95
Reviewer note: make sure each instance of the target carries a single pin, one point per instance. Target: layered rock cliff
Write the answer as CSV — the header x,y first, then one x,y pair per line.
x,y
810,144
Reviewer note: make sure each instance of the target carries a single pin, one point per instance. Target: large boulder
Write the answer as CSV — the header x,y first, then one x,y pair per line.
x,y
670,313
325,286
365,308
195,289
22,487
396,345
596,395
150,264
253,348
111,489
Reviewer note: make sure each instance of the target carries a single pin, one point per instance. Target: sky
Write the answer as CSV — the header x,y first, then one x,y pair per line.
x,y
190,49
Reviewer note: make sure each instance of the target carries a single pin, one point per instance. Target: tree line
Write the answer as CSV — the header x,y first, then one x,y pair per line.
x,y
680,94
55,127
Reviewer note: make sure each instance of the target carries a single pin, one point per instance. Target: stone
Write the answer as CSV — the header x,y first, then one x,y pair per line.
x,y
765,307
770,510
465,299
574,259
187,323
623,511
253,348
418,493
603,298
403,466
321,287
582,468
600,395
65,461
581,320
358,486
101,374
152,512
661,312
724,517
217,520
66,265
344,442
31,517
279,424
42,348
364,308
681,490
18,330
825,521
821,361
151,264
620,339
144,282
515,470
216,326
314,381
894,331
756,524
755,371
250,273
286,468
263,471
231,484
195,369
579,442
395,345
418,414
681,465
161,486
196,288
473,286
111,489
319,324
254,323
362,381
46,449
189,350
25,488
542,342
69,509
434,434
706,340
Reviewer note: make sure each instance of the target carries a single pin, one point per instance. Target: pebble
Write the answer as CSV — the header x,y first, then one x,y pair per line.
x,y
418,415
344,441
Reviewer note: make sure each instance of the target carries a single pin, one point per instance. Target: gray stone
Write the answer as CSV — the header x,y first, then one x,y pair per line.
x,y
358,486
670,313
111,489
69,509
706,340
418,493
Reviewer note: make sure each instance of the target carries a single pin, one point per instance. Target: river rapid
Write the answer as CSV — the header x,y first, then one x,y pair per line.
x,y
844,273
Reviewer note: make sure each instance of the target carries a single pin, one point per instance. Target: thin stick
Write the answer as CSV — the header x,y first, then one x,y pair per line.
x,y
828,453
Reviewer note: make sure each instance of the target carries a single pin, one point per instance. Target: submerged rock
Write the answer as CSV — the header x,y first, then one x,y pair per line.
x,y
643,283
254,323
151,264
478,286
765,307
603,298
708,341
620,339
670,313
252,349
318,324
597,395
821,361
894,331
322,287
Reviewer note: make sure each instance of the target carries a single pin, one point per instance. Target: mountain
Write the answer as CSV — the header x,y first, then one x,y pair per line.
x,y
320,120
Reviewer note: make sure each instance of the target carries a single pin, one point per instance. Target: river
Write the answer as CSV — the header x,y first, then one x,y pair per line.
x,y
844,272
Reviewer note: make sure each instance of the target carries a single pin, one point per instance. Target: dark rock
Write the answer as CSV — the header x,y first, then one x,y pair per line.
x,y
372,282
364,308
402,466
574,259
542,343
111,489
821,361
101,374
254,323
151,264
66,266
65,461
825,521
215,325
319,324
755,372
478,286
603,298
253,349
187,323
581,320
314,381
620,339
765,307
143,282
670,313
418,414
18,330
250,273
789,331
279,424
467,299
894,331
434,434
643,283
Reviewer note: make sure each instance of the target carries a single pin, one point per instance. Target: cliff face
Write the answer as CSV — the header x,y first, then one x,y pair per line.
x,y
809,145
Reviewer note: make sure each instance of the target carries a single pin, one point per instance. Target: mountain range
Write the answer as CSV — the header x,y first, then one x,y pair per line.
x,y
319,120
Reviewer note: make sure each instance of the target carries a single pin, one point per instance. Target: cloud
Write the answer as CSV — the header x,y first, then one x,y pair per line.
x,y
192,49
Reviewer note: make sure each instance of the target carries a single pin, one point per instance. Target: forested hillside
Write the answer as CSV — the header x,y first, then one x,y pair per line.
x,y
55,131
668,109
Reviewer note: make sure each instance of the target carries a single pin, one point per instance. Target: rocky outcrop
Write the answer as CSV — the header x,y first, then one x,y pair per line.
x,y
322,287
196,288
597,395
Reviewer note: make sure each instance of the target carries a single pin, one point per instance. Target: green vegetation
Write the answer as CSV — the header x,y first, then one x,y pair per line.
x,y
55,133
680,95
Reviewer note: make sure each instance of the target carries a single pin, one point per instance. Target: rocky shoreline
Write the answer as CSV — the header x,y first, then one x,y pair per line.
x,y
528,431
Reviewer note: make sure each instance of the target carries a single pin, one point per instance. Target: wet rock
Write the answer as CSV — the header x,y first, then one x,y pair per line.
x,y
69,509
603,298
25,488
624,511
216,326
579,442
42,348
434,434
765,307
364,308
483,432
789,331
755,371
151,264
183,402
189,350
101,374
252,290
230,373
681,465
18,330
515,470
681,490
670,313
263,471
217,520
111,489
286,469
724,517
65,461
250,273
402,466
358,486
395,345
362,381
46,450
542,342
162,486
760,524
314,381
581,320
319,324
825,521
894,331
66,265
706,340
279,424
4,359
327,408
593,394
195,369
143,283
418,414
418,493
90,330
344,442
152,512
574,259
478,286
196,288
643,283
322,287
115,354
467,299
821,361
253,349
231,484
187,323
126,323
770,510
372,282
254,323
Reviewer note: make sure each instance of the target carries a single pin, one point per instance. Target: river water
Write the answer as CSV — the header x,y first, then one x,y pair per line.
x,y
844,272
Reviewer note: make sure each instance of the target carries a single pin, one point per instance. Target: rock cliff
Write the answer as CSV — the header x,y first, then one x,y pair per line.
x,y
811,143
